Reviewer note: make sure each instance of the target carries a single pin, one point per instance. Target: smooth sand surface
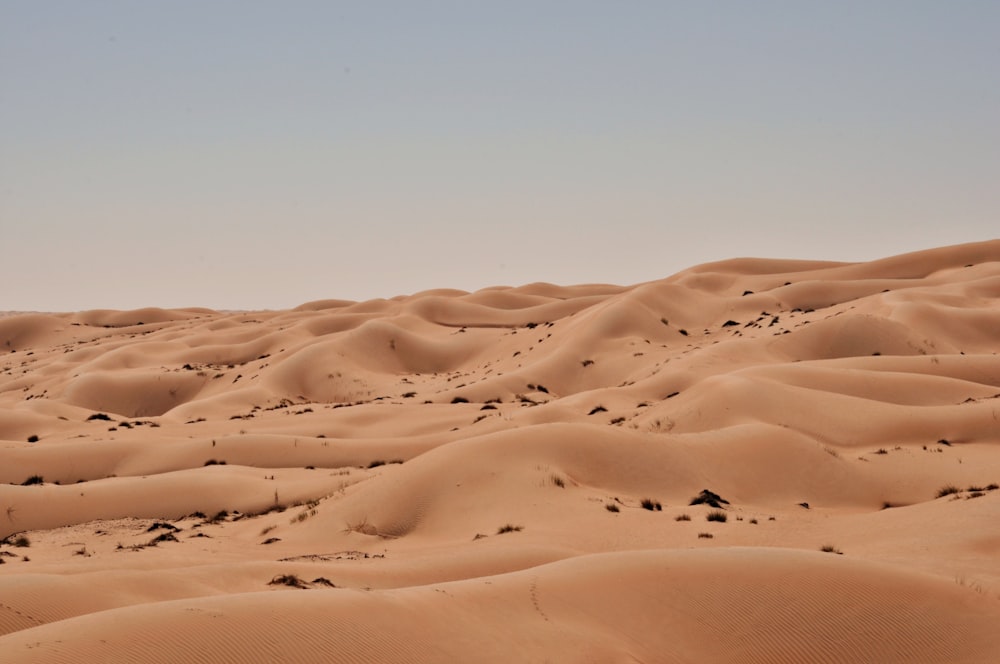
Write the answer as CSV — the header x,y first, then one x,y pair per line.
x,y
454,476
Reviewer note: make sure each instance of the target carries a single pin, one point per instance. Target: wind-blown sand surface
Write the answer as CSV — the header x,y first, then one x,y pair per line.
x,y
333,483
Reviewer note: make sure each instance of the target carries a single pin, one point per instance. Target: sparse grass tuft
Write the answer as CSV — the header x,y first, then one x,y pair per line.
x,y
22,541
651,505
376,463
682,517
705,535
829,548
34,479
947,490
558,481
716,515
611,507
597,409
509,528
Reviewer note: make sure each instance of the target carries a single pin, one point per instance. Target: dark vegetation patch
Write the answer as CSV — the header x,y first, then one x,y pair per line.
x,y
710,498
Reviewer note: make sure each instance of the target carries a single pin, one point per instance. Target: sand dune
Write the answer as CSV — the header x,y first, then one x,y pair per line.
x,y
506,475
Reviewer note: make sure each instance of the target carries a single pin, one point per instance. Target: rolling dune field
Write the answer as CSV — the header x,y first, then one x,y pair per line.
x,y
752,460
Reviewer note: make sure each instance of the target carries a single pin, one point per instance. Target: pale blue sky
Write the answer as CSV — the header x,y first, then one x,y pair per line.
x,y
243,154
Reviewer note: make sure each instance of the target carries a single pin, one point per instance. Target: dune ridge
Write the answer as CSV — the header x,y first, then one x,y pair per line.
x,y
509,473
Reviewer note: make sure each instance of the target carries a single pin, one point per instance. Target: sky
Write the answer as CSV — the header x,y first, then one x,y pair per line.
x,y
247,154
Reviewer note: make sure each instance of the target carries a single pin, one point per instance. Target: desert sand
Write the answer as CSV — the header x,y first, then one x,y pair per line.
x,y
508,475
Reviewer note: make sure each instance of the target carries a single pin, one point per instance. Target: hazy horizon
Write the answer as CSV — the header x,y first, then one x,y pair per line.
x,y
246,155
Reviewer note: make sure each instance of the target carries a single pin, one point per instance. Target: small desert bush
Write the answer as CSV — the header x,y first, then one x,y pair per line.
x,y
651,505
705,535
829,548
682,517
709,498
162,537
611,507
947,490
34,479
22,541
288,580
376,463
558,481
32,439
716,515
509,528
